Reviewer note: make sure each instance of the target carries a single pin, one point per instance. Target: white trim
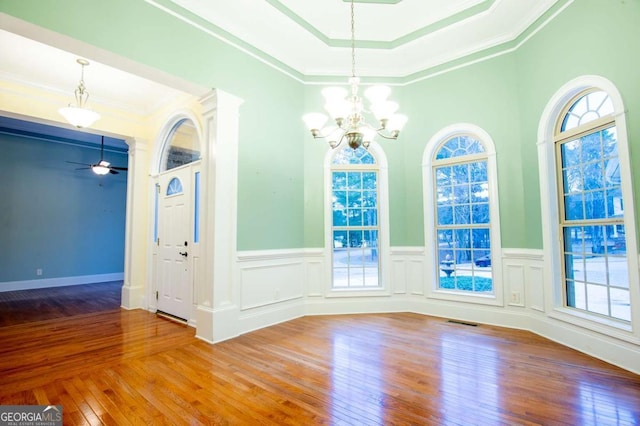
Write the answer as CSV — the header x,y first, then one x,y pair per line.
x,y
431,263
60,281
549,205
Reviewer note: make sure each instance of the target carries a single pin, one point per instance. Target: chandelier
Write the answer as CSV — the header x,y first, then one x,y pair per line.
x,y
347,111
78,115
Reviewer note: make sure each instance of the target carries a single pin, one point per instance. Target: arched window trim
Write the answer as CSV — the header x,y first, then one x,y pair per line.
x,y
431,254
383,221
550,209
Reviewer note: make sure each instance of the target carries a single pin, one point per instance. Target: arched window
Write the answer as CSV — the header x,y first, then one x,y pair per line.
x,y
592,208
174,187
182,146
355,231
588,214
461,215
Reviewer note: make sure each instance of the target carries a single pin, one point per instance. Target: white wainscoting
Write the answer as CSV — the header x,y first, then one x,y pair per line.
x,y
280,285
407,270
60,282
523,278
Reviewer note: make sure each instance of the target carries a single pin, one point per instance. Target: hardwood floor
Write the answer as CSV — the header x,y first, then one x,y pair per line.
x,y
132,367
21,306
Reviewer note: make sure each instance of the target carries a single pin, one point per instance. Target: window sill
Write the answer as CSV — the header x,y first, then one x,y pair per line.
x,y
609,327
456,296
358,292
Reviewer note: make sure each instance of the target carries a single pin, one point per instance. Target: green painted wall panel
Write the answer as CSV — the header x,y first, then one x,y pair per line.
x,y
484,95
591,37
270,204
281,167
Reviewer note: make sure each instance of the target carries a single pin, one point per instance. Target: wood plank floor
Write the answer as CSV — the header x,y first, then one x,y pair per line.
x,y
131,367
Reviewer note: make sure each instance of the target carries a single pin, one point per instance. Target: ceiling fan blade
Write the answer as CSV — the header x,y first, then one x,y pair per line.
x,y
113,172
83,164
83,168
118,168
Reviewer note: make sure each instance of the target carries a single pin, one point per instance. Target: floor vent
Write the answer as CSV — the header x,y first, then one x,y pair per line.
x,y
470,324
171,317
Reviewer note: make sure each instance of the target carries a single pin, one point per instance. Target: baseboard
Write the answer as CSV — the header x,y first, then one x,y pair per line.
x,y
60,281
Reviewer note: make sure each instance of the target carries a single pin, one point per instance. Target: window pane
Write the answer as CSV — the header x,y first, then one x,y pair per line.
x,y
597,299
480,213
355,238
574,267
445,215
339,239
479,171
591,147
573,239
369,180
480,192
462,215
370,217
445,195
481,238
572,180
355,199
570,153
574,209
462,238
620,304
462,194
461,173
354,217
369,198
339,180
340,217
354,180
443,176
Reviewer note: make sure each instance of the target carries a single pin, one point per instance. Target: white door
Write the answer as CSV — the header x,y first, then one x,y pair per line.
x,y
174,269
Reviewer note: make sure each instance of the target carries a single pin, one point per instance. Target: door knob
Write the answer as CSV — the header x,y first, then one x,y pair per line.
x,y
185,254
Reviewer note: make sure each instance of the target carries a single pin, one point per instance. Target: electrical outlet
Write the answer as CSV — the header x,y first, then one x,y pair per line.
x,y
515,297
39,271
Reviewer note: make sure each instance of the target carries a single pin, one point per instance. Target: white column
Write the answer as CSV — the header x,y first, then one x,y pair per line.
x,y
216,294
136,233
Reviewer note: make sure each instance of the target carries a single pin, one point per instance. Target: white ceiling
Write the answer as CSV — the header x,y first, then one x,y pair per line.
x,y
402,38
312,37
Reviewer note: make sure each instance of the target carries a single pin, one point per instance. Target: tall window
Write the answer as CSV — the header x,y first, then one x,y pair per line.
x,y
462,216
355,229
592,208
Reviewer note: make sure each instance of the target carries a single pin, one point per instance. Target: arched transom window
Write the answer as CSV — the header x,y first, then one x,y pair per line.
x,y
182,146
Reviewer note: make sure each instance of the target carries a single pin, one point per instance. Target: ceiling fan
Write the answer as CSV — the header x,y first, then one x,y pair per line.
x,y
102,167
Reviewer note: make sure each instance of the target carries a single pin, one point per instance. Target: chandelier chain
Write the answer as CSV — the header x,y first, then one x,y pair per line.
x,y
353,42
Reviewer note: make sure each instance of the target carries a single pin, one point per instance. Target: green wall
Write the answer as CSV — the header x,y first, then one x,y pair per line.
x,y
270,200
281,166
505,96
591,37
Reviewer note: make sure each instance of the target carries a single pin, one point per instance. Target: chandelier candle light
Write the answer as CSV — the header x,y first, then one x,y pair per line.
x,y
347,111
78,115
